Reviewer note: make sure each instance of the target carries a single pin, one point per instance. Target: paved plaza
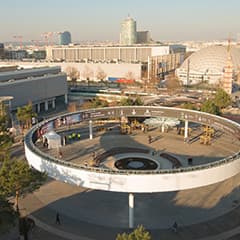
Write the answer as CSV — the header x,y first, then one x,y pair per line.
x,y
90,214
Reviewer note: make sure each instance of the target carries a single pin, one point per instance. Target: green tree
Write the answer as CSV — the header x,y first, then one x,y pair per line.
x,y
98,103
25,114
209,106
131,102
222,99
5,138
7,215
17,178
5,144
138,101
189,106
138,234
126,102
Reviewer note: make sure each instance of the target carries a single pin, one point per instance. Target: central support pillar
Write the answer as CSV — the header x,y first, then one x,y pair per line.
x,y
163,128
90,130
186,130
131,210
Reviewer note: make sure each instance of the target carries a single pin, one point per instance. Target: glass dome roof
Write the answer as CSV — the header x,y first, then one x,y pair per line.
x,y
212,60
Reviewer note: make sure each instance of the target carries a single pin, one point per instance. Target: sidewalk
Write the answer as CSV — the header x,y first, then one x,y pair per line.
x,y
221,228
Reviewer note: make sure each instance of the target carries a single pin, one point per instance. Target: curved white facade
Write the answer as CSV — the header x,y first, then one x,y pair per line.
x,y
139,181
208,65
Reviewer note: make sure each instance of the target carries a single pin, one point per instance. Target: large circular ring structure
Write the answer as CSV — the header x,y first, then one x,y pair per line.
x,y
136,181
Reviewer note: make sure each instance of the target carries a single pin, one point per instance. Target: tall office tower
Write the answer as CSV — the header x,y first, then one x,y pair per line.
x,y
143,37
65,38
128,35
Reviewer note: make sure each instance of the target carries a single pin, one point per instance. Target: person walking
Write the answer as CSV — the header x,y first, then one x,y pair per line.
x,y
58,219
149,139
175,227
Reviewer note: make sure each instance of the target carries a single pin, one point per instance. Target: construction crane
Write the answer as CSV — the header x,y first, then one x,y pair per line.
x,y
48,38
19,40
35,43
58,34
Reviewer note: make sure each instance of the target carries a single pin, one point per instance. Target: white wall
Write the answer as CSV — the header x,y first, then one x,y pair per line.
x,y
174,180
111,69
134,182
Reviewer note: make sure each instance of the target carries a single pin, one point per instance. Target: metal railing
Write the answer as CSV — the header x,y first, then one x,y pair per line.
x,y
31,146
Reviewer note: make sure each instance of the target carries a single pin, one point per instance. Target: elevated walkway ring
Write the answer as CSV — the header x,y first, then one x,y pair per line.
x,y
135,181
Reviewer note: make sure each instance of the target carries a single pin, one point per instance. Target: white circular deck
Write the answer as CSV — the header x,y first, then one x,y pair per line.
x,y
160,180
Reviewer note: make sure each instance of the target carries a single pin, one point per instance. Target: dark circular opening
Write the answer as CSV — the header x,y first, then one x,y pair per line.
x,y
137,163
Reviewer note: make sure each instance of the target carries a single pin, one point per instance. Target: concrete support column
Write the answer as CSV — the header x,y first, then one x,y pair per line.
x,y
131,210
53,103
148,73
66,98
186,129
90,130
163,128
46,105
38,107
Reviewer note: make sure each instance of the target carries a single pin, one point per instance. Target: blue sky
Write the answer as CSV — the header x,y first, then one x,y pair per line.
x,y
100,19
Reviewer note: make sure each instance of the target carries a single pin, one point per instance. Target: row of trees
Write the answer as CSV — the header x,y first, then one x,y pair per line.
x,y
25,115
88,74
99,103
16,177
213,105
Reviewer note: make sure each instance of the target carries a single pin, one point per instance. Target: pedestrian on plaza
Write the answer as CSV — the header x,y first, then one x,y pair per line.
x,y
58,219
149,139
175,227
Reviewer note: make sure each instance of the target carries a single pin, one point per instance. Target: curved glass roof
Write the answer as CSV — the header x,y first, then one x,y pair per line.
x,y
212,60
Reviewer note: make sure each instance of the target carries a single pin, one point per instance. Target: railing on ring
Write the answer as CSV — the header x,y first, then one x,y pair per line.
x,y
32,147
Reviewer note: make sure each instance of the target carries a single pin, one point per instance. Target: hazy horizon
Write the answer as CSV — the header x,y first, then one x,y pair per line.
x,y
100,20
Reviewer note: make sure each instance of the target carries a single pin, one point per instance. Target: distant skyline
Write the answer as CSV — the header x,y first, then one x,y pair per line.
x,y
100,19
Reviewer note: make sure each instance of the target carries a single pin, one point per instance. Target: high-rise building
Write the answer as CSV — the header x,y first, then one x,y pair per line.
x,y
128,35
143,37
65,38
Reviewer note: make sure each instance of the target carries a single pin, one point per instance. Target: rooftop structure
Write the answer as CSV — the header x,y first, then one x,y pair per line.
x,y
40,86
208,65
65,38
129,54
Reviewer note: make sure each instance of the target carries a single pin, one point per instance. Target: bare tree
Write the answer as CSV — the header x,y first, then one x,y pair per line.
x,y
130,75
87,73
101,75
172,83
72,73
